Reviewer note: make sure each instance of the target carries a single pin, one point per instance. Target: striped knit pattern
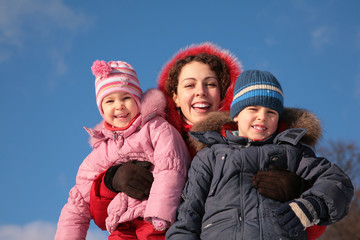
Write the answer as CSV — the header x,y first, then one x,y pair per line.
x,y
257,88
120,77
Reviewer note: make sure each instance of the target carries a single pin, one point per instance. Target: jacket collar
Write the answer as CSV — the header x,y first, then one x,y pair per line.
x,y
292,118
232,138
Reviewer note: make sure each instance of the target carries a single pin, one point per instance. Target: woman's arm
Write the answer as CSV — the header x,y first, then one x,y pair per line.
x,y
132,175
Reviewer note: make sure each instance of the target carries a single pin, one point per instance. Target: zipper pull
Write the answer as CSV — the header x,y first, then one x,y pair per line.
x,y
249,143
114,136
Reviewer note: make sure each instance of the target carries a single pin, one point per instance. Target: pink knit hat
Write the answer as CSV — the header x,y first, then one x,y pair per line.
x,y
115,76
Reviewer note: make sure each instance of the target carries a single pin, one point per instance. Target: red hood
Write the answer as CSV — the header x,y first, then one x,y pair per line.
x,y
231,61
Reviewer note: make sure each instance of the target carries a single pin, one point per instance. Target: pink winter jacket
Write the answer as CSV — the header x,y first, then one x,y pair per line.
x,y
150,138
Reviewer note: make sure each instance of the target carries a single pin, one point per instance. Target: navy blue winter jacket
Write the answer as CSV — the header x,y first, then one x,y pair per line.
x,y
220,201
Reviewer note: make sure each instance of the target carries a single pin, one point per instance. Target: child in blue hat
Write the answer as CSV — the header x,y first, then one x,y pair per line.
x,y
220,201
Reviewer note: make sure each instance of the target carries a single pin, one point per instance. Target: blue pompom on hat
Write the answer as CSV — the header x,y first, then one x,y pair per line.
x,y
257,88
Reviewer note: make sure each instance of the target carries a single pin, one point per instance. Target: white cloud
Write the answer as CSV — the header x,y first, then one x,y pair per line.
x,y
39,231
321,37
23,21
57,57
20,17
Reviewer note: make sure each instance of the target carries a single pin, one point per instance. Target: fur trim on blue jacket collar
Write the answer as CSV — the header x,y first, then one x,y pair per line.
x,y
292,117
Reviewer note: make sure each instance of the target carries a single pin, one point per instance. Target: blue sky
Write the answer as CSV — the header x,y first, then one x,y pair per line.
x,y
48,46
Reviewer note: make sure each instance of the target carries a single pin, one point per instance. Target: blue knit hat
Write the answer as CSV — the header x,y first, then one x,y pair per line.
x,y
257,88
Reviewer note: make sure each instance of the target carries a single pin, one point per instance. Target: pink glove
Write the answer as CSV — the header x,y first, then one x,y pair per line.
x,y
159,224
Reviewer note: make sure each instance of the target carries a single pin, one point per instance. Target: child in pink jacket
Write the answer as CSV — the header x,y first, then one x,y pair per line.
x,y
133,129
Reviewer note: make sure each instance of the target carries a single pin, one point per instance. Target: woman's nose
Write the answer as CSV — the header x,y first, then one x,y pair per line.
x,y
201,90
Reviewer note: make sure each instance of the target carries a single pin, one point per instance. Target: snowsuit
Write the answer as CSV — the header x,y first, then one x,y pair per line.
x,y
150,138
220,201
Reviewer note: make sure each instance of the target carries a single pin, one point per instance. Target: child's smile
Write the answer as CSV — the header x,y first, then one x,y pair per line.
x,y
257,122
119,108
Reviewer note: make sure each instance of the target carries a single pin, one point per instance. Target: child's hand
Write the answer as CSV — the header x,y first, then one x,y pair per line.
x,y
159,224
279,184
297,215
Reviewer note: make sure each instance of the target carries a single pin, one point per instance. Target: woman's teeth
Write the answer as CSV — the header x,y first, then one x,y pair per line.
x,y
201,105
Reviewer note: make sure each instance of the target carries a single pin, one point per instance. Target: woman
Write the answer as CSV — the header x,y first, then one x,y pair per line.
x,y
198,80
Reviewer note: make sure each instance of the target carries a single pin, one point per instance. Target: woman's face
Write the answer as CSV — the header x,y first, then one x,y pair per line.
x,y
198,92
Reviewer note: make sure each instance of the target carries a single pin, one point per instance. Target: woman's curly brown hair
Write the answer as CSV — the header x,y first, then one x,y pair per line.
x,y
215,63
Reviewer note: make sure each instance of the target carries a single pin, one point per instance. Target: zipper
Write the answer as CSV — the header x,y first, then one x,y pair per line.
x,y
242,212
249,143
114,136
216,222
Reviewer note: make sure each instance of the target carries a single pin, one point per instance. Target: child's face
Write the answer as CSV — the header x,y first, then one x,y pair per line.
x,y
119,109
257,122
198,91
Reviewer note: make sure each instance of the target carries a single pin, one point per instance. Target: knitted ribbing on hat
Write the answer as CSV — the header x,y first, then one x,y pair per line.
x,y
257,88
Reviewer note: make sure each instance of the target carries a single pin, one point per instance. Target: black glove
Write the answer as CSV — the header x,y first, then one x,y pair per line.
x,y
132,178
299,214
279,184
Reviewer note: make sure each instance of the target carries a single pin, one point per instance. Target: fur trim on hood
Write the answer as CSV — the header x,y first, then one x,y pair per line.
x,y
291,118
301,118
153,103
231,61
